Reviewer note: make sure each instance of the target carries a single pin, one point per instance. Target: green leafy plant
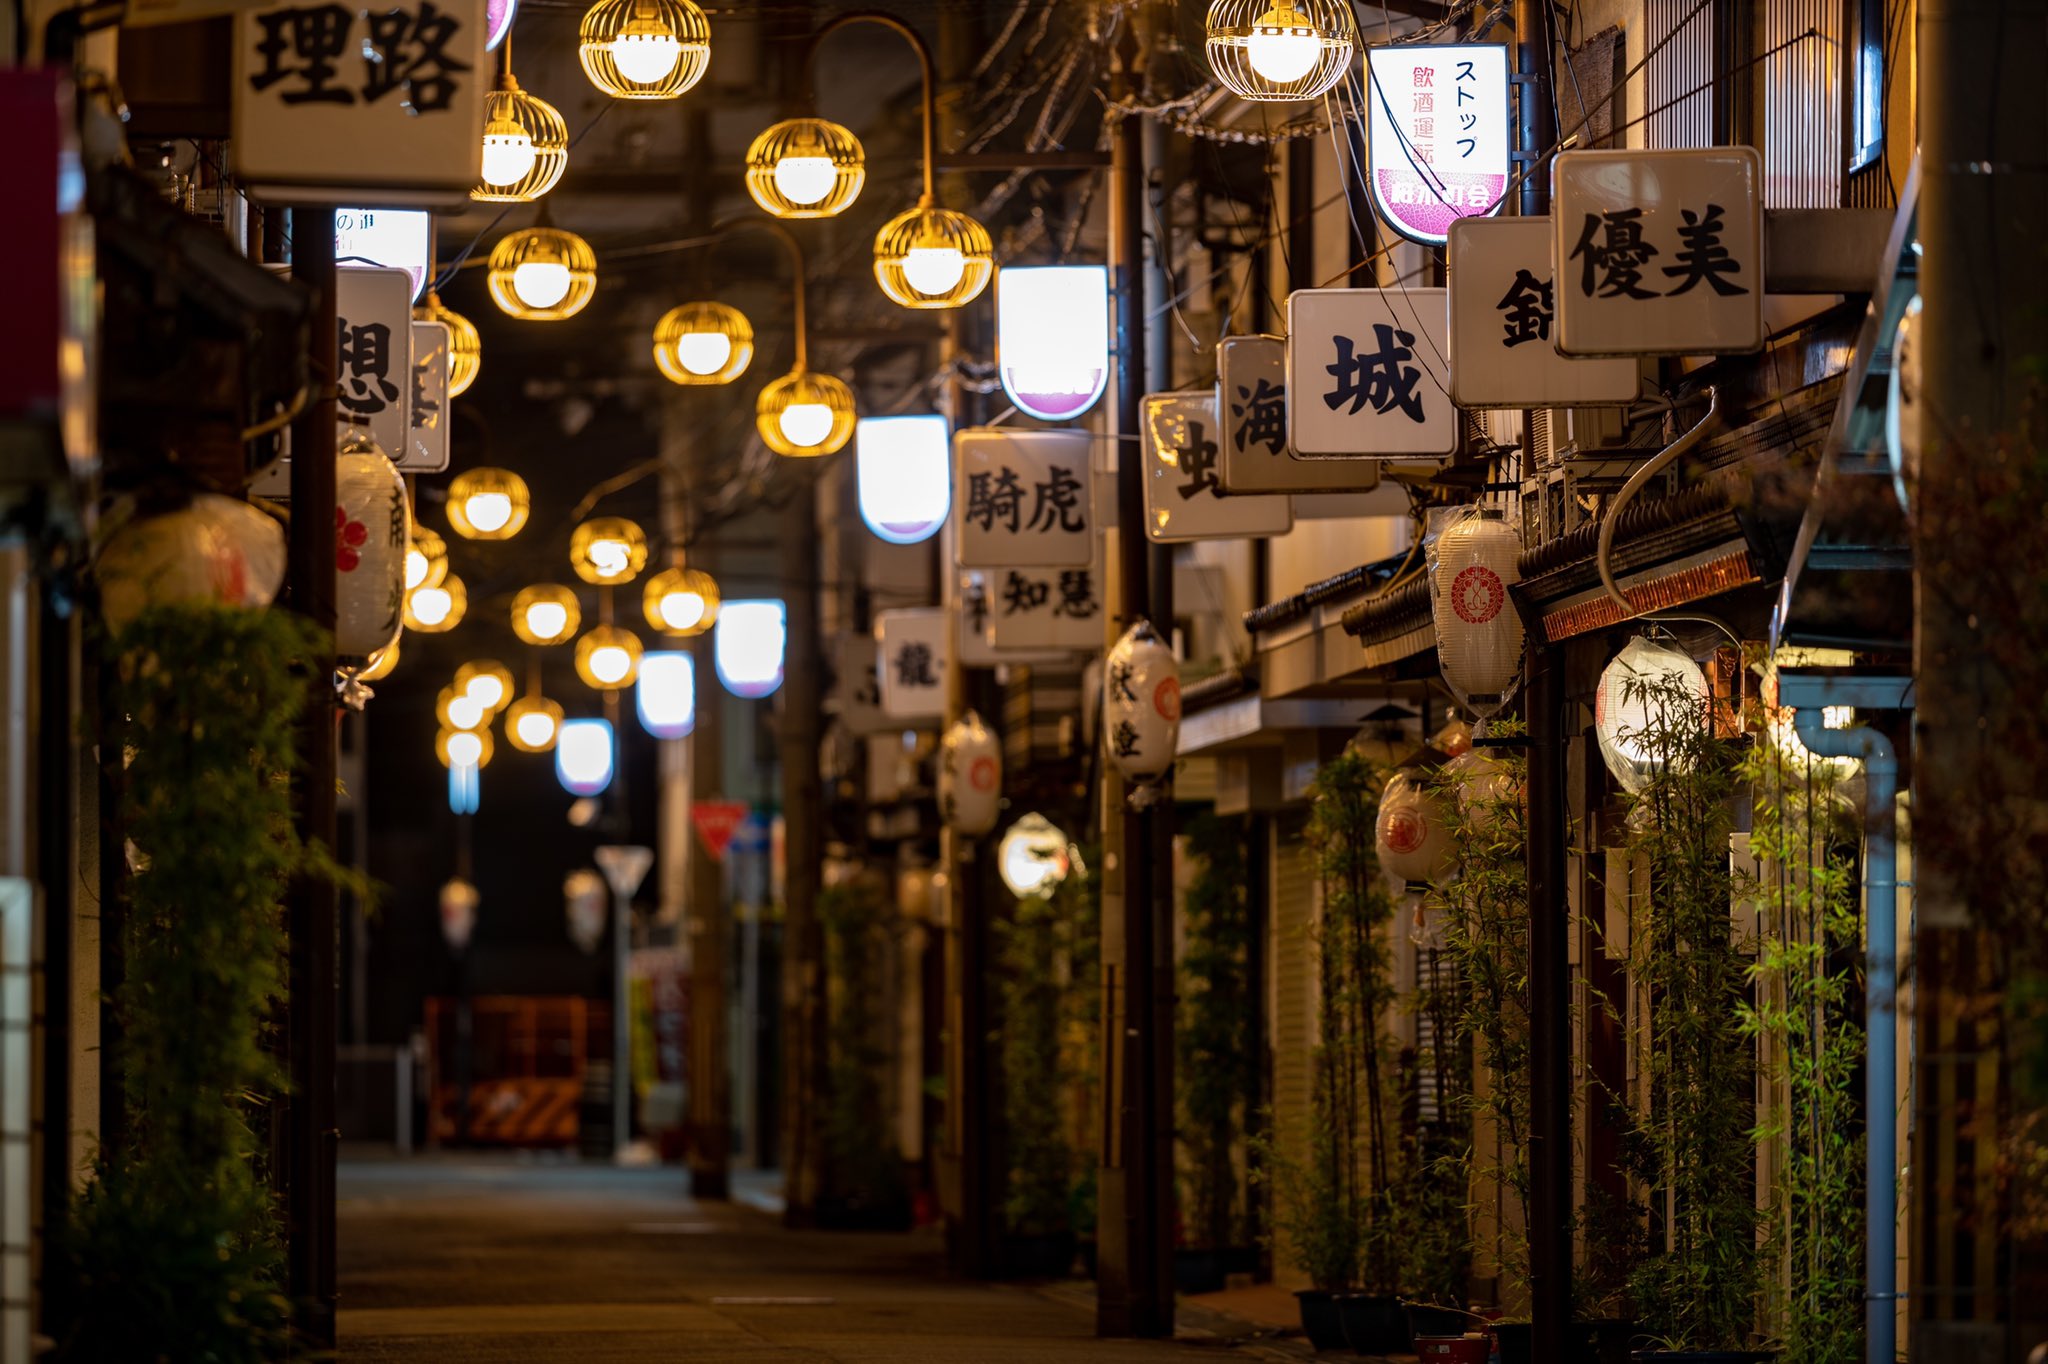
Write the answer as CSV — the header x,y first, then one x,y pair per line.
x,y
1215,1062
174,1249
863,1173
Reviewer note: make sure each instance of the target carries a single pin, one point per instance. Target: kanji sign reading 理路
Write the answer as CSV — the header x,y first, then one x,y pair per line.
x,y
910,662
1438,130
1504,324
1658,253
427,451
1367,374
1251,402
1184,497
375,106
1022,499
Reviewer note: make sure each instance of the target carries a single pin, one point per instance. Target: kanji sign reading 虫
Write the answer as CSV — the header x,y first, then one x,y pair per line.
x,y
1438,134
1022,499
1368,374
427,451
377,106
1251,401
1504,324
1184,497
910,662
1658,252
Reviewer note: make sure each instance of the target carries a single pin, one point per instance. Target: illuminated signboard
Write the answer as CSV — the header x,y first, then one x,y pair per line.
x,y
1052,337
392,237
1438,134
904,469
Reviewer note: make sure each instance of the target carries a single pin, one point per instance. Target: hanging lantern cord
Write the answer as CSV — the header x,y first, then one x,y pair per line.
x,y
924,60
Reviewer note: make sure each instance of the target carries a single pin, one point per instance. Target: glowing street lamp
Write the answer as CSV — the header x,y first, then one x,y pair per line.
x,y
458,710
666,694
1032,857
426,559
805,413
608,550
542,274
487,682
644,49
488,504
532,722
1279,51
681,601
433,610
904,469
608,658
1052,338
703,343
465,347
747,646
464,747
546,613
526,144
584,758
806,168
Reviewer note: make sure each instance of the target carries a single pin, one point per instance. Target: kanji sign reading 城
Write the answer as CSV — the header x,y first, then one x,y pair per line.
x,y
1367,374
1659,253
1251,401
910,662
1438,132
427,451
1504,324
1021,499
381,107
1184,497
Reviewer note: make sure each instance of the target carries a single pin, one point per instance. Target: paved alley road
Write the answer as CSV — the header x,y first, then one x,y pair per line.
x,y
488,1261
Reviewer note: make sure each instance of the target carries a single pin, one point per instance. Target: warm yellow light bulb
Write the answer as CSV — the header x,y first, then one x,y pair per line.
x,y
466,712
487,690
488,512
416,566
805,179
536,729
547,619
934,269
1282,46
610,557
806,424
647,56
609,664
681,610
431,605
704,352
541,284
508,153
465,749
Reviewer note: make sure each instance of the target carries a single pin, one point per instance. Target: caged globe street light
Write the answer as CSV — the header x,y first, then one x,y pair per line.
x,y
532,722
485,681
933,257
806,168
703,343
546,613
426,558
608,658
805,413
465,347
542,274
436,609
526,142
608,550
644,49
456,709
681,601
1282,50
488,504
464,747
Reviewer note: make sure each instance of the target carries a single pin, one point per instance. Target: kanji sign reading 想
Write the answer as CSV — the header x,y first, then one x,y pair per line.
x,y
1438,134
1504,324
427,451
1659,252
1368,374
377,106
373,373
1251,401
1022,499
1184,497
910,662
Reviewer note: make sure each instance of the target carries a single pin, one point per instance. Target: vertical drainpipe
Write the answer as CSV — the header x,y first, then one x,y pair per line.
x,y
1808,693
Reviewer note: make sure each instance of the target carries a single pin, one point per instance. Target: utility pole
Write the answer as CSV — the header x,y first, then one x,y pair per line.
x,y
803,966
705,929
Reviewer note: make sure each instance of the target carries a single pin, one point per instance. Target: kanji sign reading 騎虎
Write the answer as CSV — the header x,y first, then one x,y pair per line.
x,y
1367,374
1438,134
1184,497
1504,324
910,662
427,451
379,106
1251,402
1022,499
1658,253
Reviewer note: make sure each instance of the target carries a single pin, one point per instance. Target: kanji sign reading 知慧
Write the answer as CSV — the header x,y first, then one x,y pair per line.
x,y
1504,324
1251,403
1184,497
1438,134
1368,374
427,451
1045,608
910,662
1658,253
376,106
1022,499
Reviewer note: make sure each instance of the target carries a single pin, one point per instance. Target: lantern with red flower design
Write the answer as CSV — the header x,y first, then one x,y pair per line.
x,y
372,524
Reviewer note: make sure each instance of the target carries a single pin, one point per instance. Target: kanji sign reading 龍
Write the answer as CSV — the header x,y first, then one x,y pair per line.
x,y
378,106
1658,253
1438,134
1021,499
427,451
910,662
1184,497
1504,324
1251,402
1368,374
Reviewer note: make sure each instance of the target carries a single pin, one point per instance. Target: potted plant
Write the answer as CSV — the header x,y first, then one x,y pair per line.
x,y
863,1184
1215,1064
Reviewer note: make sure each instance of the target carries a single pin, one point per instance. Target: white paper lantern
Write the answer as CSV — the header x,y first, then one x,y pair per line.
x,y
1478,631
1484,785
586,900
372,526
216,549
1902,405
1141,708
1412,834
970,776
1642,677
1032,859
459,900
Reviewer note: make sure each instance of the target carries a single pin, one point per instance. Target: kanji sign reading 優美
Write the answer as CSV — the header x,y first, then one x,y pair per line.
x,y
1504,324
379,106
1021,499
1251,403
1658,253
1438,134
1184,498
910,662
1368,374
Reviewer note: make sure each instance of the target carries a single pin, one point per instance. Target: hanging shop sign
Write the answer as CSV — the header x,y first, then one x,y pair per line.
x,y
856,695
427,451
1368,374
1437,131
1046,608
395,238
1504,324
1659,253
903,471
1251,404
1141,708
373,354
910,662
970,776
1022,499
748,646
1052,337
972,608
324,93
1184,497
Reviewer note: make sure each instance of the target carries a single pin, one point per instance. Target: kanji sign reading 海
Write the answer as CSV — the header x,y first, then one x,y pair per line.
x,y
1251,401
378,106
910,662
1184,497
1022,499
1438,134
1658,253
1367,374
427,451
1504,324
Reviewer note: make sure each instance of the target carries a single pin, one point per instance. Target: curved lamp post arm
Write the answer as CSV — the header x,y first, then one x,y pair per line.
x,y
727,227
924,61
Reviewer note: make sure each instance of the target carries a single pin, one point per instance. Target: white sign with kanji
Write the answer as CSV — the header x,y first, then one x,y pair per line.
x,y
1659,253
378,105
1437,131
373,372
427,451
1504,324
398,238
1251,400
1368,374
856,693
1046,608
1184,497
910,662
1021,499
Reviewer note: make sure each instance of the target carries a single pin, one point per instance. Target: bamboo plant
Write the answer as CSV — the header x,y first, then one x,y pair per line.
x,y
863,1174
1215,1063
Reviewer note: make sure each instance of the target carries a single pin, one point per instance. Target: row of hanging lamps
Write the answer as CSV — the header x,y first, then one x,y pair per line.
x,y
465,347
488,504
545,614
526,141
644,49
681,601
1286,50
703,343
